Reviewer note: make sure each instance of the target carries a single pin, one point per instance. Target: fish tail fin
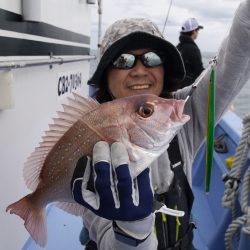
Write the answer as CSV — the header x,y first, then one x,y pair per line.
x,y
34,219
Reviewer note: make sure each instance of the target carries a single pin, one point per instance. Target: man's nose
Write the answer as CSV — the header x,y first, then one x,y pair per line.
x,y
139,68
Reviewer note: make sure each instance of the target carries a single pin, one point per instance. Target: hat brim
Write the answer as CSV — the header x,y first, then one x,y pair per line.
x,y
136,40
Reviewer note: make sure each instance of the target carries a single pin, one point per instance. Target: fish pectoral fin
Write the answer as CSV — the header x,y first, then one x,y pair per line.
x,y
71,208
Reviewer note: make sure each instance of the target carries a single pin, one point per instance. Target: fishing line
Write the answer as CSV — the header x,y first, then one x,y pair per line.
x,y
170,5
212,63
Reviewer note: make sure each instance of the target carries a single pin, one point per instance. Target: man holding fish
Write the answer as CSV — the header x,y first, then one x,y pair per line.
x,y
133,183
137,60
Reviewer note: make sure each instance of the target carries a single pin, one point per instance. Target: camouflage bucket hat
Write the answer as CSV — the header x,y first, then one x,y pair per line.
x,y
135,33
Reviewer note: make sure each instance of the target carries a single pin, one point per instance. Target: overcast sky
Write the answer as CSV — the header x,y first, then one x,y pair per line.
x,y
215,15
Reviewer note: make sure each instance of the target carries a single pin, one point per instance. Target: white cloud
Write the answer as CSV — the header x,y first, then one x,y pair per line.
x,y
215,15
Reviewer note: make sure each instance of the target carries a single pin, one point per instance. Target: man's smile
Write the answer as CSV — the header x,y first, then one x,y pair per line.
x,y
140,86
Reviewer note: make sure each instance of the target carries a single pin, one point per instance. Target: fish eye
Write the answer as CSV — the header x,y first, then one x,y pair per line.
x,y
146,110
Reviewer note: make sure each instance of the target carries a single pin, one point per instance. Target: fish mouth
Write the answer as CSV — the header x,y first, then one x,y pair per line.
x,y
180,109
140,86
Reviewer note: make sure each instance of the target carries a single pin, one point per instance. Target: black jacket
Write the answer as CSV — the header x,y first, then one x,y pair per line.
x,y
192,59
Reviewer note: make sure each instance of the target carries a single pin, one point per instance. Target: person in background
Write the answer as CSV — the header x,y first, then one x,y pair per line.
x,y
189,50
136,59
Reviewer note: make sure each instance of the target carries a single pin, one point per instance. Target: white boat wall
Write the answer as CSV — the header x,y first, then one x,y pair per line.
x,y
44,56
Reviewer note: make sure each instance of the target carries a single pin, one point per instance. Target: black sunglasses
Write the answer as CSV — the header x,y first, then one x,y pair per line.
x,y
149,59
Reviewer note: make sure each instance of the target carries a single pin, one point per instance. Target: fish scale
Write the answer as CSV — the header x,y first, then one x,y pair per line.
x,y
75,144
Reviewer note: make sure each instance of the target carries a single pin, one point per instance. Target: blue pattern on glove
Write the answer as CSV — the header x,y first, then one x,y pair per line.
x,y
106,199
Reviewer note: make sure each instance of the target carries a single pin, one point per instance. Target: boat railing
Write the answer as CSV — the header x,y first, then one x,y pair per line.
x,y
16,64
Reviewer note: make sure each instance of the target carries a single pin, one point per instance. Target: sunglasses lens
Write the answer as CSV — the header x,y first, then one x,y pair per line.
x,y
127,61
124,61
151,59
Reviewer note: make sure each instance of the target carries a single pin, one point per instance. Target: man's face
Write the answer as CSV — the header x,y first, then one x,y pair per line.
x,y
137,80
195,34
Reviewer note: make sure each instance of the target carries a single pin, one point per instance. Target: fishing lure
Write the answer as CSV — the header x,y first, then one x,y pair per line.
x,y
210,129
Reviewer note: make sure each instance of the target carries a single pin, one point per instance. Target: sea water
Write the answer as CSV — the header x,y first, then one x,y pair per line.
x,y
241,103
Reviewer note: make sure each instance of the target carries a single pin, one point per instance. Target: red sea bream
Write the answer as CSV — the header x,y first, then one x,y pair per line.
x,y
144,123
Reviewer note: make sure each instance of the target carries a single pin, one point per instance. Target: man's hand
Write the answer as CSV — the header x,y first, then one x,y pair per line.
x,y
117,196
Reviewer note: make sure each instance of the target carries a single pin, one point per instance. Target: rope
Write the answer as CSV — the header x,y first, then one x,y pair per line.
x,y
232,187
243,149
232,229
244,201
243,220
232,181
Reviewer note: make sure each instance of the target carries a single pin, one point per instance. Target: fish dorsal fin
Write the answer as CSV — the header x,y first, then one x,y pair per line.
x,y
71,208
76,108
